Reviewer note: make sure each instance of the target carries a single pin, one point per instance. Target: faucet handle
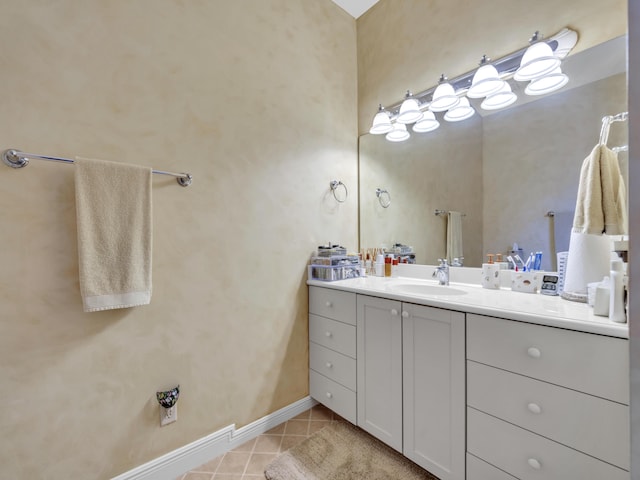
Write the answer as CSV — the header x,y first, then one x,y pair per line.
x,y
443,262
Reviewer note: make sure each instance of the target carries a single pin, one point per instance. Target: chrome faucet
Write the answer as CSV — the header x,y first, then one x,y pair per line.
x,y
457,262
442,272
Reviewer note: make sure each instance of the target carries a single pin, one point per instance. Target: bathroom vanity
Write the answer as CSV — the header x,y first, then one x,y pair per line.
x,y
474,383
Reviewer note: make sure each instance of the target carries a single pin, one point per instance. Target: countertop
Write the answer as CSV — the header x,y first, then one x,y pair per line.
x,y
527,307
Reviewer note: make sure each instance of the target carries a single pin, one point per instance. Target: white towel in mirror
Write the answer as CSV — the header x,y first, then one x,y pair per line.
x,y
454,236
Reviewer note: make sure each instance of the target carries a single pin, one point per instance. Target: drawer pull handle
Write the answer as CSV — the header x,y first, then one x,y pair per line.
x,y
533,352
328,334
533,463
405,314
534,408
329,304
394,312
329,365
329,395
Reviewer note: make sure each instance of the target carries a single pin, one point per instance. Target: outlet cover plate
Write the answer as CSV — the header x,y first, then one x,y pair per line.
x,y
168,415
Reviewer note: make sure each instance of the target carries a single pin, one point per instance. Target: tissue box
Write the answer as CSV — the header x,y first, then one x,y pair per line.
x,y
526,282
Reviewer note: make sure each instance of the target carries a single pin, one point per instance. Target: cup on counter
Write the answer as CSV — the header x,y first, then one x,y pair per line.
x,y
491,275
526,282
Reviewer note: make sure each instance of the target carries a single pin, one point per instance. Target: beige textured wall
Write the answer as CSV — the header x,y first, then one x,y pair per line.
x,y
407,44
257,99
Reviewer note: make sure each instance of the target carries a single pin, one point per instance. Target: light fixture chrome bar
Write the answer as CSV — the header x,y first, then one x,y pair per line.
x,y
17,159
561,44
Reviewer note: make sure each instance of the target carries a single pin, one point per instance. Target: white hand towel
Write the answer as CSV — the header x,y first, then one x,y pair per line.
x,y
454,236
601,203
113,209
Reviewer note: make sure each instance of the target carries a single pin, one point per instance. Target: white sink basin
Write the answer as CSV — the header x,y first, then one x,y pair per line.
x,y
417,289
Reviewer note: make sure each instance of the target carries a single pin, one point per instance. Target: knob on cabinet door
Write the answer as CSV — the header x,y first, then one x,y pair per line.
x,y
533,352
534,408
535,464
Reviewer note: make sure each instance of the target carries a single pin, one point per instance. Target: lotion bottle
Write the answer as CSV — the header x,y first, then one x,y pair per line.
x,y
616,295
380,265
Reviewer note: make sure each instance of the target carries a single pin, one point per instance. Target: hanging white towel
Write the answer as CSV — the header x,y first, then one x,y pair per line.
x,y
113,209
454,236
600,209
601,203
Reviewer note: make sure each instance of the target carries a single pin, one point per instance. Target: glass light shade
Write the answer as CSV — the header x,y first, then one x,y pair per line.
x,y
537,61
409,110
444,97
427,124
485,82
381,123
460,112
399,133
547,84
501,99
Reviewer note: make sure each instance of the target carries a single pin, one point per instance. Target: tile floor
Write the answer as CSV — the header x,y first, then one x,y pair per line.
x,y
248,461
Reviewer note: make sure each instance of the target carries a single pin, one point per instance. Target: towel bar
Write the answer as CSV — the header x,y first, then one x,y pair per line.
x,y
17,159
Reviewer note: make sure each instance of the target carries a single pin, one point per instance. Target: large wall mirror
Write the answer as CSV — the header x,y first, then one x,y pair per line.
x,y
505,171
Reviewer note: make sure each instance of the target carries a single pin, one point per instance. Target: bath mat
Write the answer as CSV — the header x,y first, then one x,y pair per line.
x,y
343,452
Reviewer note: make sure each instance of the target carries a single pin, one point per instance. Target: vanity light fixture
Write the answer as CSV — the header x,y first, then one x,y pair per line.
x,y
485,81
500,99
547,84
381,122
399,133
427,124
537,61
409,110
460,112
444,96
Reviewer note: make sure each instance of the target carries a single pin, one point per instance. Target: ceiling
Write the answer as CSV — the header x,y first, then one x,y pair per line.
x,y
355,8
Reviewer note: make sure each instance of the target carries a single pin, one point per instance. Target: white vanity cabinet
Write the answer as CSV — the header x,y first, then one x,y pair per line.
x,y
411,381
332,350
545,403
379,334
472,396
433,351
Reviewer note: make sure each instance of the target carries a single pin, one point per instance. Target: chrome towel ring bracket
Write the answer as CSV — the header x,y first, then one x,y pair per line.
x,y
384,197
333,185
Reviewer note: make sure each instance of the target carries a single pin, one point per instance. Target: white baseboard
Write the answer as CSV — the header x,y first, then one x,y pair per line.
x,y
173,464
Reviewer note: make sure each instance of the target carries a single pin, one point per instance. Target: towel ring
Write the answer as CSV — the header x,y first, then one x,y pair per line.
x,y
334,184
379,193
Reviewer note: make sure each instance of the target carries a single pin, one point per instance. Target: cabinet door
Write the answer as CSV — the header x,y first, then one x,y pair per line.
x,y
434,389
379,366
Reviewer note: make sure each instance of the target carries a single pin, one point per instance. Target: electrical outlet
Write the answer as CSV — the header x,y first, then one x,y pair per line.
x,y
168,415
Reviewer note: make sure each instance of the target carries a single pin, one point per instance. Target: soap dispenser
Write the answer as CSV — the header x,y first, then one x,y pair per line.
x,y
616,295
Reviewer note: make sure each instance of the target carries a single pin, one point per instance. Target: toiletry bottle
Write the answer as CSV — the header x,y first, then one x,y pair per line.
x,y
387,265
380,265
394,267
616,295
367,265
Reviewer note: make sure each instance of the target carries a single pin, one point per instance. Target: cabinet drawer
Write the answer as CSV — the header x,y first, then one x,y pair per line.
x,y
526,455
334,365
333,395
480,470
333,304
337,336
590,424
586,362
